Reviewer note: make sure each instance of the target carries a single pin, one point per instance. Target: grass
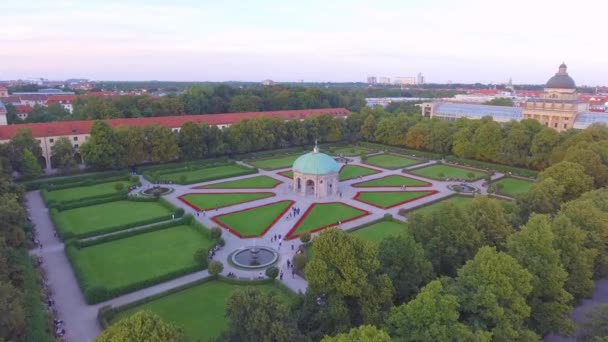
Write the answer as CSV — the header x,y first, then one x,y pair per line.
x,y
512,186
288,174
441,172
458,201
349,151
93,218
72,194
322,215
353,171
389,199
141,257
204,174
257,182
378,231
219,200
200,310
391,181
254,221
275,163
390,161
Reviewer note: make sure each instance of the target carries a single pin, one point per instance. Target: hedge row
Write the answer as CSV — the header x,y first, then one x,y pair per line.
x,y
64,234
180,165
55,181
107,313
185,220
98,294
83,202
492,166
401,150
156,176
271,153
88,182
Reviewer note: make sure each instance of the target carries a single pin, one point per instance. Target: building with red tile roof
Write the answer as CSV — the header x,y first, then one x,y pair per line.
x,y
78,131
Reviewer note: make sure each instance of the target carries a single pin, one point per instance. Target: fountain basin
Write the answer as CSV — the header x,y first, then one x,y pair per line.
x,y
254,257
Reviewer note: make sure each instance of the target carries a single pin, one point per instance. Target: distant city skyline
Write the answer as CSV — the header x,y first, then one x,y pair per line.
x,y
316,41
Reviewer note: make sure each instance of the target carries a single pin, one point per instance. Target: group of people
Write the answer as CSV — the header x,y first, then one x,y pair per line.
x,y
212,251
50,302
295,211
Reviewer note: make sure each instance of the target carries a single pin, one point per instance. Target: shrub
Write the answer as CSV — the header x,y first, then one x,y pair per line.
x,y
299,261
272,272
179,212
119,186
216,232
221,242
96,294
183,179
470,175
215,268
441,175
363,157
305,238
200,256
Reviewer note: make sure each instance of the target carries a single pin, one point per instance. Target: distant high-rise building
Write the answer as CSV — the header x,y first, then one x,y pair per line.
x,y
372,80
420,78
267,82
405,80
384,80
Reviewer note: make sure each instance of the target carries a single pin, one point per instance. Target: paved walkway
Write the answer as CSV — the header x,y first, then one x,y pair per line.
x,y
80,318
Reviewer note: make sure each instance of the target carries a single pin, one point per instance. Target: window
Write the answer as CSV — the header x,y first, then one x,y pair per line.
x,y
75,145
75,138
565,125
555,125
51,140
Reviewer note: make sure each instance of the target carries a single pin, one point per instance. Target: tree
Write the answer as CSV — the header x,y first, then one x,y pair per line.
x,y
592,164
533,248
500,101
215,268
131,138
63,155
30,168
489,218
21,141
492,290
576,259
487,140
595,326
305,238
272,272
245,103
544,197
103,149
12,323
12,217
346,270
257,316
364,333
161,144
440,138
141,326
418,135
448,236
431,316
542,147
201,256
404,261
191,142
368,129
569,175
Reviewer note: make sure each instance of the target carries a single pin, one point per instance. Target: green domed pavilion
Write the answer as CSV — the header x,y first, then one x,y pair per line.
x,y
315,174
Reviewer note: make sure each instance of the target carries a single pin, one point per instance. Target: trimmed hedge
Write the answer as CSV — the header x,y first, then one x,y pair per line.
x,y
402,150
155,176
81,178
272,153
386,217
36,317
83,202
66,235
182,164
493,166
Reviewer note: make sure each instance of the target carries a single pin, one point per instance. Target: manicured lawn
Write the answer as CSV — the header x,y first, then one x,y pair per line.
x,y
353,171
389,199
391,181
349,151
512,186
138,258
257,182
85,220
200,310
275,163
390,161
458,201
378,231
323,215
288,174
447,171
205,174
254,221
218,200
71,194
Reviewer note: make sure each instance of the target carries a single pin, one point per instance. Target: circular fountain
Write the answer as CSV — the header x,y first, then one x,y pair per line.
x,y
463,188
253,257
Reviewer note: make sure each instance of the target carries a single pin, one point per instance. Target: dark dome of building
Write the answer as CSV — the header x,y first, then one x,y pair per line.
x,y
561,79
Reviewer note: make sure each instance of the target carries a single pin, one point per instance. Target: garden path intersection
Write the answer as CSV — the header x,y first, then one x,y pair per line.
x,y
81,319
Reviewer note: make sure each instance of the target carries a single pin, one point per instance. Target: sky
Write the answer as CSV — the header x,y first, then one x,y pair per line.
x,y
466,41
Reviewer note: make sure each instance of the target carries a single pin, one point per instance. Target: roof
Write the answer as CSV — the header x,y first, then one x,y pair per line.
x,y
61,128
33,97
474,111
61,98
561,80
585,119
316,163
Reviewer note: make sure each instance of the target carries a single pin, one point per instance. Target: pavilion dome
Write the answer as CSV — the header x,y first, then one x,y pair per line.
x,y
315,163
561,80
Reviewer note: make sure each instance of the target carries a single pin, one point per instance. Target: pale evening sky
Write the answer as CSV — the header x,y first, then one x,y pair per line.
x,y
328,40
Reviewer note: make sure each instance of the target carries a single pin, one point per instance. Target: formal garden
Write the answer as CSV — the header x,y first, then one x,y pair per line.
x,y
389,199
257,182
512,186
391,161
444,172
254,221
392,181
208,201
323,215
378,231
